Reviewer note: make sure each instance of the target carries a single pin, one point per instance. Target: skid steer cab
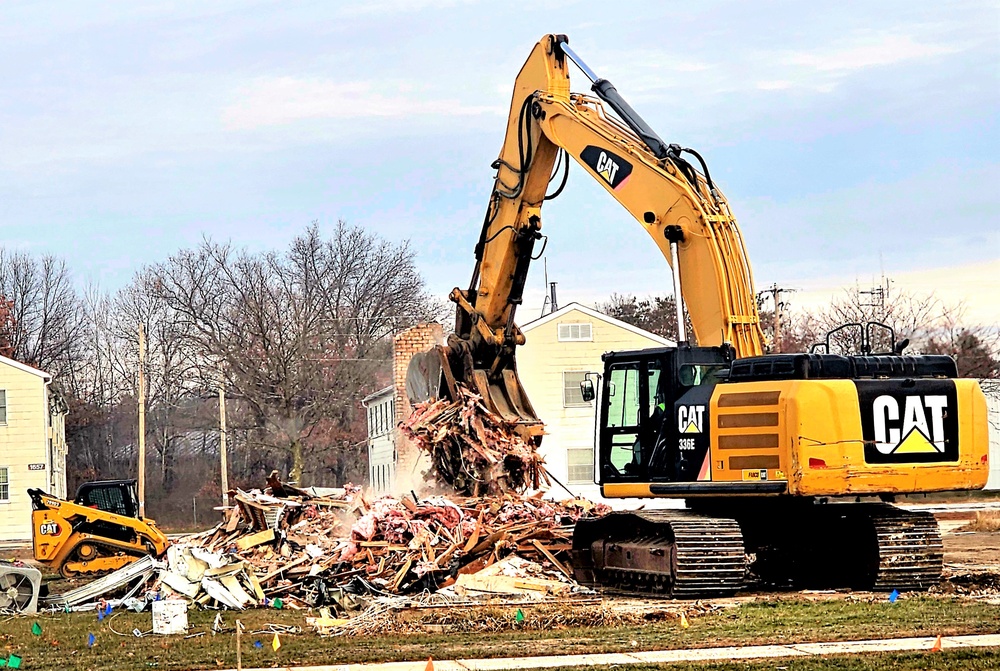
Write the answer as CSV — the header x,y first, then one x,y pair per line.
x,y
99,531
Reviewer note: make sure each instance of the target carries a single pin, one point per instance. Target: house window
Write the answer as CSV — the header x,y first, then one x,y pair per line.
x,y
3,406
4,485
576,332
580,465
572,395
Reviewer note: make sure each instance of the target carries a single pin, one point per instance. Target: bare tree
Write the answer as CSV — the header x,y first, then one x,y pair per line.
x,y
44,315
910,315
298,337
976,349
172,396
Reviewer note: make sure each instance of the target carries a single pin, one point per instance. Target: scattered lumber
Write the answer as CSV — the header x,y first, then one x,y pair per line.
x,y
317,548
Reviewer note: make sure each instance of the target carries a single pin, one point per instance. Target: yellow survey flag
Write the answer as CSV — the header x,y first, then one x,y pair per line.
x,y
276,643
684,620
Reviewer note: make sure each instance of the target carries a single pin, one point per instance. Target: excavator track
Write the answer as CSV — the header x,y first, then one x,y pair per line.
x,y
864,546
677,553
910,551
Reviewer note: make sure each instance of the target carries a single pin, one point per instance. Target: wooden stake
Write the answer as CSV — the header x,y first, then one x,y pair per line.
x,y
239,651
142,421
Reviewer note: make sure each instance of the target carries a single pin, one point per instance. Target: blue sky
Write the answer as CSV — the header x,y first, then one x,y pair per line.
x,y
850,138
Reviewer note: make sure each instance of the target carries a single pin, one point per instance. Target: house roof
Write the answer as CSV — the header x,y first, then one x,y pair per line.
x,y
594,314
26,368
377,395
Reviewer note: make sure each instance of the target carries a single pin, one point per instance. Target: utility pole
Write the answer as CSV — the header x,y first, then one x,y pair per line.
x,y
142,420
222,442
779,306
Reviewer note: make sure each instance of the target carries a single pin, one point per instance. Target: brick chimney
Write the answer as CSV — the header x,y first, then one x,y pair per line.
x,y
413,340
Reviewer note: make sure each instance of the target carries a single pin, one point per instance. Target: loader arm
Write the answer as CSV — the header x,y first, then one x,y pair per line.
x,y
671,199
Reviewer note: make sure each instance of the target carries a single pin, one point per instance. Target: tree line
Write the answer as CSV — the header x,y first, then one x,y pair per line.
x,y
930,325
294,338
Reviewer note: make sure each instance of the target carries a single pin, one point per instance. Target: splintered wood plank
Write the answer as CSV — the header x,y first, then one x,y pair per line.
x,y
551,557
253,540
281,569
398,580
234,520
474,538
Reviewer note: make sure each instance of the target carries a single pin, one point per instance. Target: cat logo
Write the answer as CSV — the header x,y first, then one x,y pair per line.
x,y
49,529
606,167
612,168
920,429
690,418
904,424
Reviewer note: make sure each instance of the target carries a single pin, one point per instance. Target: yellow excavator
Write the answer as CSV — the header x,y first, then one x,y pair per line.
x,y
99,531
788,463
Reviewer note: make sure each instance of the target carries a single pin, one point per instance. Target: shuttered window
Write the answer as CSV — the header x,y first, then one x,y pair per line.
x,y
4,485
3,406
576,332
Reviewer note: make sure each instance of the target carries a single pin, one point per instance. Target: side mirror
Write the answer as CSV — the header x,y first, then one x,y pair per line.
x,y
587,390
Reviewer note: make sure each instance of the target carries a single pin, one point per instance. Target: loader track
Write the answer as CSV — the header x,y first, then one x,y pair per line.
x,y
97,565
677,553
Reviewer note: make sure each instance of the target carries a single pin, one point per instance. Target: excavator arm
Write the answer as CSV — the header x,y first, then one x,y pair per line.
x,y
678,205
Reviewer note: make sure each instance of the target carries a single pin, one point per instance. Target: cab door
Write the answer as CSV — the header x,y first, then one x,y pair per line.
x,y
627,426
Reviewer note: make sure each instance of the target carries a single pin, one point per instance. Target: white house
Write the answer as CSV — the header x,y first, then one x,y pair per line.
x,y
32,444
560,350
992,389
381,410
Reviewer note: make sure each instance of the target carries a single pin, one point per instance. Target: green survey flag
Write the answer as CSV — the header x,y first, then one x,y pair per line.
x,y
520,616
36,629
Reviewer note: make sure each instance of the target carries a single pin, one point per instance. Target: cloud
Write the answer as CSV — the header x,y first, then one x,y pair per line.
x,y
275,101
819,68
868,51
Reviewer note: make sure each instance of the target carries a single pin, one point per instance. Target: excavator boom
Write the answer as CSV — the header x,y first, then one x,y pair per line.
x,y
679,206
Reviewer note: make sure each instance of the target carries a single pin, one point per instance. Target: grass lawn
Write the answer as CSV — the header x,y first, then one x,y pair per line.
x,y
62,644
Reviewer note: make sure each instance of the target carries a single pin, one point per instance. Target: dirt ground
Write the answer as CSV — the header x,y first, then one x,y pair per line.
x,y
972,550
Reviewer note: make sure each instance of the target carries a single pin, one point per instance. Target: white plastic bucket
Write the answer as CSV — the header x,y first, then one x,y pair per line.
x,y
170,617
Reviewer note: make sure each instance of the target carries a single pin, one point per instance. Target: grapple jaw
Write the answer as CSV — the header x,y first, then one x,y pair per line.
x,y
436,374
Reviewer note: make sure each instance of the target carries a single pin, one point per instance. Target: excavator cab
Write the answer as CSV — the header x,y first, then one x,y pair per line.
x,y
643,391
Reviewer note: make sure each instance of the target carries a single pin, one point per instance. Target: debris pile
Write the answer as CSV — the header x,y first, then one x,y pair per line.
x,y
299,548
473,450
